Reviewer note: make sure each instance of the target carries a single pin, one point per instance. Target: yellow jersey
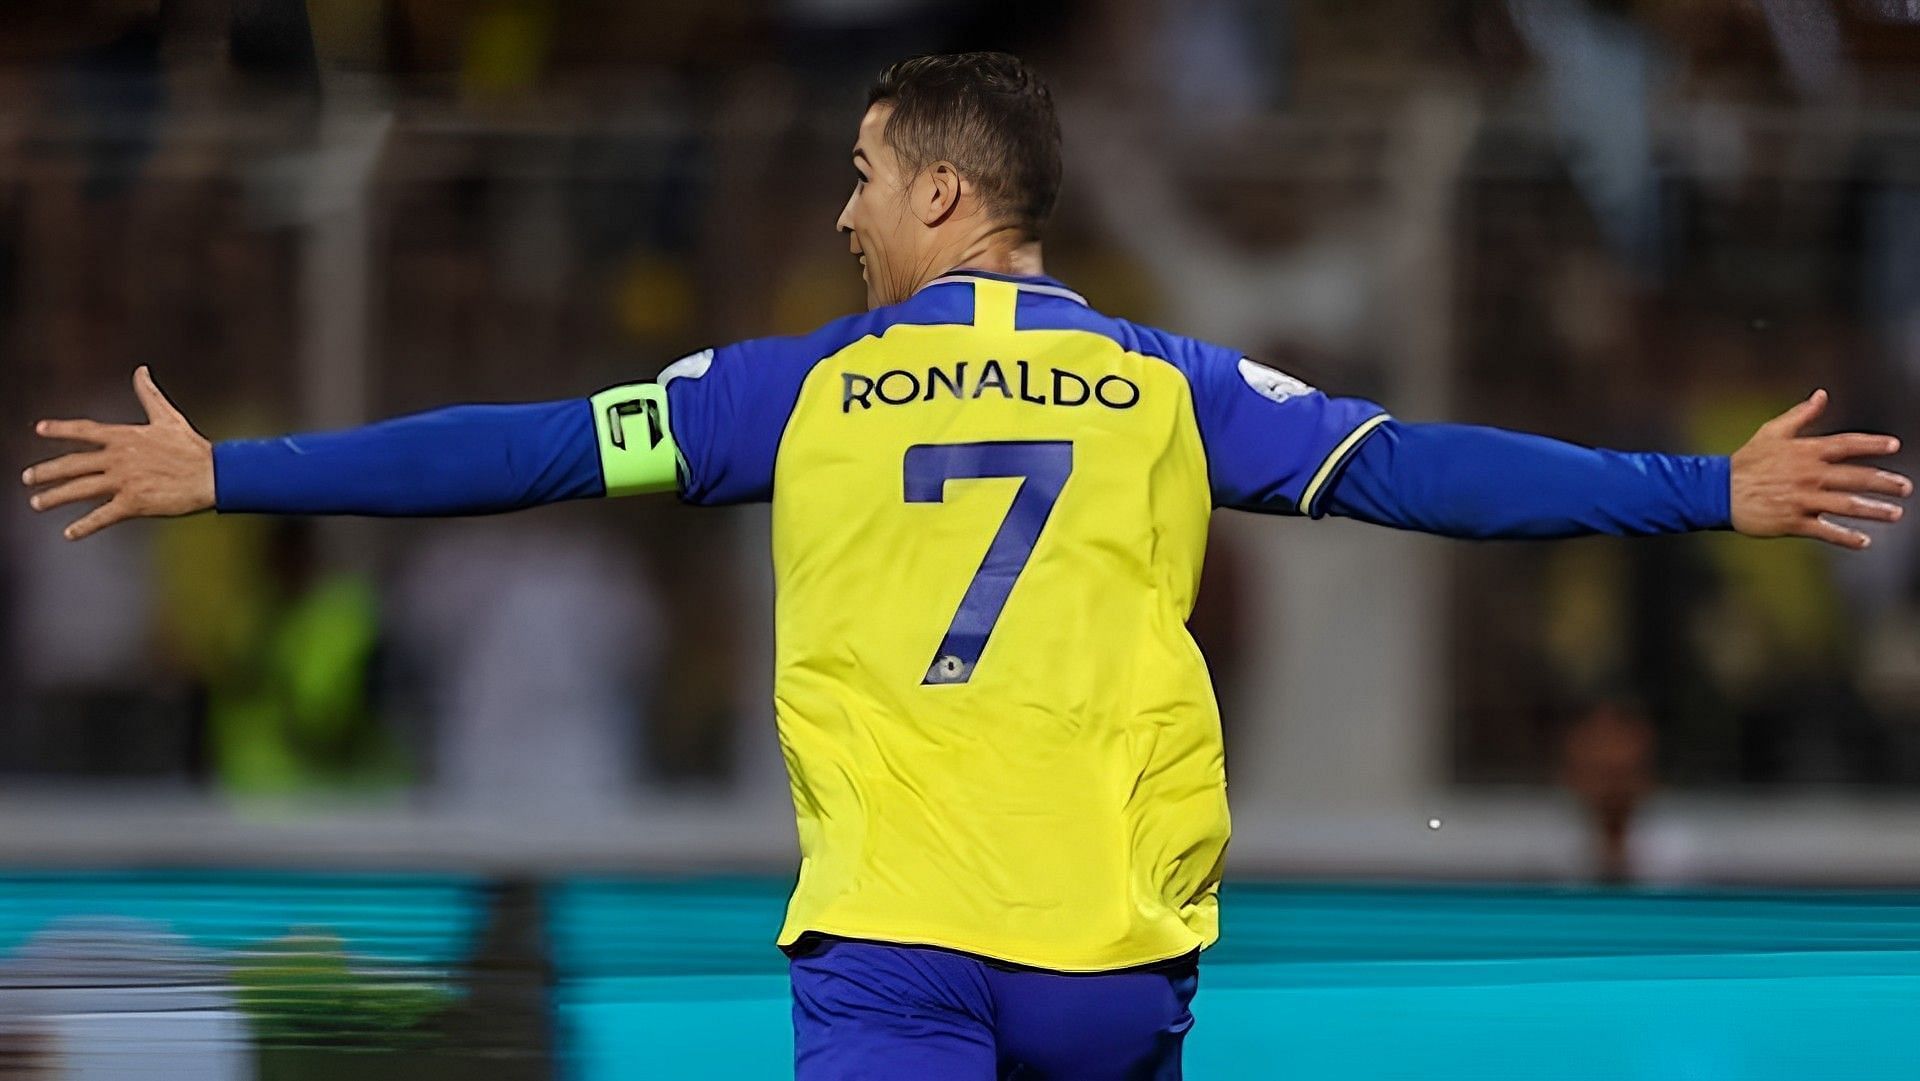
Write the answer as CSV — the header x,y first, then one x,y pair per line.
x,y
990,504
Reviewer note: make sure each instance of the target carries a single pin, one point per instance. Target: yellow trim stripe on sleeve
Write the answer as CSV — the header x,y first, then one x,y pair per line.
x,y
1333,460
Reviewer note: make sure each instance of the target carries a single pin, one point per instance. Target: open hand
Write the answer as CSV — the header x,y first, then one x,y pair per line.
x,y
1785,484
158,469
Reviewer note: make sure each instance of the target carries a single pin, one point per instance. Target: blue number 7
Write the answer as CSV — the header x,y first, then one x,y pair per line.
x,y
1043,467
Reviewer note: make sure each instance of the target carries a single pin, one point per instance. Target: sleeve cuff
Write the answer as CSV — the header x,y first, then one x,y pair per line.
x,y
1315,492
239,473
1717,479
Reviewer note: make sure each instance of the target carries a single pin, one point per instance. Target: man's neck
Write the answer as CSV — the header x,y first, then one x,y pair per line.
x,y
1018,260
998,253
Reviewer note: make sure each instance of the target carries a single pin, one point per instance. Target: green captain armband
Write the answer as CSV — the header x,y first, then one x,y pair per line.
x,y
637,451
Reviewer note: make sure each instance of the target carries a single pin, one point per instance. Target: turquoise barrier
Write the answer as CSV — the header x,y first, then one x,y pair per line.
x,y
676,979
255,976
422,977
408,919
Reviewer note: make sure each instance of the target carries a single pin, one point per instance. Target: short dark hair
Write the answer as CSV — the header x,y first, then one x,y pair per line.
x,y
988,114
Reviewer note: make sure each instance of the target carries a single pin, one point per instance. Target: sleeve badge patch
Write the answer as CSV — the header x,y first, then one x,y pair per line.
x,y
688,367
1271,383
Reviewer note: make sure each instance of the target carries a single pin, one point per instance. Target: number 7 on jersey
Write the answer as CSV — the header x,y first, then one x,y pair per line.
x,y
1043,468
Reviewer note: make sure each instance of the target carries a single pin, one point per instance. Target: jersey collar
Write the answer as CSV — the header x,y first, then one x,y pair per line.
x,y
1035,283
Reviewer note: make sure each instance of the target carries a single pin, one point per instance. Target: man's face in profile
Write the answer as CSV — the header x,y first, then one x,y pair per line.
x,y
880,228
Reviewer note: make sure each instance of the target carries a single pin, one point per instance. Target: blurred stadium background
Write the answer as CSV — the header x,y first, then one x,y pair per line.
x,y
397,780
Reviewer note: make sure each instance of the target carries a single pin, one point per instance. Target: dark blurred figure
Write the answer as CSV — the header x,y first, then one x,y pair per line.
x,y
1607,761
26,1056
117,92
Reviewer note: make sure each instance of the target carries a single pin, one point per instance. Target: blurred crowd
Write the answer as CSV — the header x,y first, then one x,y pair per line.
x,y
1637,224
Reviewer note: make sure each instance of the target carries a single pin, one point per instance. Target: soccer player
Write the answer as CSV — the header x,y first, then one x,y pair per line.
x,y
989,504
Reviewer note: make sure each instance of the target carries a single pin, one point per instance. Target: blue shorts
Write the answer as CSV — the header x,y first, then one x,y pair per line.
x,y
864,1010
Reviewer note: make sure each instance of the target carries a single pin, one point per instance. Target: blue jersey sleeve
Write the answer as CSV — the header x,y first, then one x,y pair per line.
x,y
468,459
1273,443
730,407
1458,480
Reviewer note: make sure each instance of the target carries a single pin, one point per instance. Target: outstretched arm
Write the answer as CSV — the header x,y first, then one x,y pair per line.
x,y
471,459
1463,481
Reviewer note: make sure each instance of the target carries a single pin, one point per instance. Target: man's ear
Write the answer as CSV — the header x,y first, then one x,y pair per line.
x,y
937,193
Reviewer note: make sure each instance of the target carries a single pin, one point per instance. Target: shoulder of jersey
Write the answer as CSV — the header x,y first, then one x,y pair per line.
x,y
1192,356
804,350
